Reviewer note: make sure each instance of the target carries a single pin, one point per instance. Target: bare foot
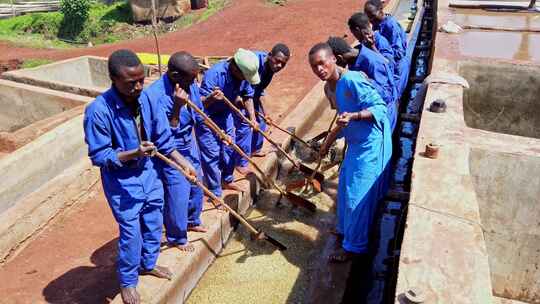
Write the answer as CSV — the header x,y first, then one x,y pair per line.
x,y
184,247
263,153
341,256
159,272
130,295
199,228
232,186
243,170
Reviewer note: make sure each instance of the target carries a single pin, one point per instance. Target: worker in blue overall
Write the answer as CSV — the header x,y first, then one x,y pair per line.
x,y
183,201
390,28
228,78
361,29
270,63
122,133
374,66
363,122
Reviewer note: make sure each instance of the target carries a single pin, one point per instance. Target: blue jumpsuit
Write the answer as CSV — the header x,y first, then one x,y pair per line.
x,y
133,189
266,75
384,47
217,159
183,201
363,175
396,36
376,68
257,140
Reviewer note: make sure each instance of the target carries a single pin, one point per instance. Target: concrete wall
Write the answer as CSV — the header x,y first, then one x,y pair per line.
x,y
507,186
22,105
45,175
503,98
85,75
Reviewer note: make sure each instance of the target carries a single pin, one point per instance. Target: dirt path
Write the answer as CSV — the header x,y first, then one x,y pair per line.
x,y
249,24
85,239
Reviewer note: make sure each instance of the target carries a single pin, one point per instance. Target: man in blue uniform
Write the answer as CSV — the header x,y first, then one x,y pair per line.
x,y
373,65
363,122
390,28
361,29
122,132
270,63
230,78
183,201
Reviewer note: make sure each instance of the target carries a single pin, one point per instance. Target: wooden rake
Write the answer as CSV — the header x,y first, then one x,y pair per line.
x,y
307,171
293,198
258,235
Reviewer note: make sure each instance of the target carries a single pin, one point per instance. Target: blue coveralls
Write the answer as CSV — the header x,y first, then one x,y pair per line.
x,y
266,75
363,175
384,47
396,36
218,159
183,201
133,189
380,71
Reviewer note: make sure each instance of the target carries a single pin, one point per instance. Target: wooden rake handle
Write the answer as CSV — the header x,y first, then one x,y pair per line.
x,y
264,134
319,162
285,131
212,196
227,140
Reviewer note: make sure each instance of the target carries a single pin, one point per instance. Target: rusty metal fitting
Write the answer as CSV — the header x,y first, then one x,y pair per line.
x,y
432,151
438,106
415,295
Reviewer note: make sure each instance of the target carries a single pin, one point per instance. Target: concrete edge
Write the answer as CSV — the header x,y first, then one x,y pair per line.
x,y
44,90
19,224
19,76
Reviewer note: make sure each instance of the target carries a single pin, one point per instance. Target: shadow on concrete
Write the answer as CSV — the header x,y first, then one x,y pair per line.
x,y
87,284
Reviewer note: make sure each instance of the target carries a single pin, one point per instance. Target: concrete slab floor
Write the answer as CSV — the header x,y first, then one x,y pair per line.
x,y
470,227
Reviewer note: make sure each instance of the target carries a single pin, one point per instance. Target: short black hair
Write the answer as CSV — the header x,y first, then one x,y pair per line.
x,y
122,58
339,46
281,48
183,62
377,4
359,20
320,46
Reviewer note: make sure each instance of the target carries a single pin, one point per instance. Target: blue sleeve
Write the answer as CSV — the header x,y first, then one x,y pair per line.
x,y
161,130
98,137
247,89
386,49
368,99
209,82
396,40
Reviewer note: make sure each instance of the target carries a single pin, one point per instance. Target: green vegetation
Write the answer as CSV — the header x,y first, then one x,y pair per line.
x,y
83,21
32,63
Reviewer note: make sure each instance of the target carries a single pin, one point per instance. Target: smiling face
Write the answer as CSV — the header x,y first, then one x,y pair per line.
x,y
129,82
277,62
323,64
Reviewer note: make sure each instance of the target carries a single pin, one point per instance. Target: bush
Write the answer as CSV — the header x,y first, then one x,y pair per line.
x,y
76,13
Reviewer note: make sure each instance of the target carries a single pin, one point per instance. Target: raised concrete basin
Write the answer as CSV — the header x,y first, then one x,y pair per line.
x,y
86,75
34,187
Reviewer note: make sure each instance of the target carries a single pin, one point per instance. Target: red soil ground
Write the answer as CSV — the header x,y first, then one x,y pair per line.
x,y
85,238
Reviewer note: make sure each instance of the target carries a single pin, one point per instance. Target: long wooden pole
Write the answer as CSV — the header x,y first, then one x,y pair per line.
x,y
295,199
214,199
264,134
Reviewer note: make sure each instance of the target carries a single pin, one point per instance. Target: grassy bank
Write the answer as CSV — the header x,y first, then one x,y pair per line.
x,y
106,24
